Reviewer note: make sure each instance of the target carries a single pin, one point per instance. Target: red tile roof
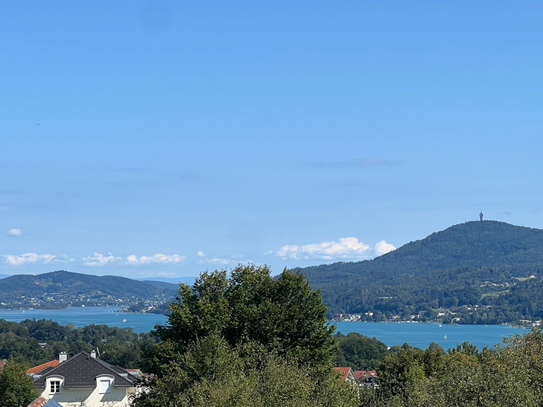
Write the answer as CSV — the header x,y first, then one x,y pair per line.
x,y
39,402
343,371
359,373
37,369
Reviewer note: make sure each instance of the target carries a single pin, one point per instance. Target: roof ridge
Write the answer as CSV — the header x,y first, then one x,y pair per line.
x,y
108,366
102,363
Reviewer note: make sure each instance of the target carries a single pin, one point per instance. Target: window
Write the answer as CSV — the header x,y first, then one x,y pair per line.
x,y
54,386
104,386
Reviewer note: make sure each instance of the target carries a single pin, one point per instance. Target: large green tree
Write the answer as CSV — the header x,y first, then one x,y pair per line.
x,y
246,339
16,387
214,374
283,314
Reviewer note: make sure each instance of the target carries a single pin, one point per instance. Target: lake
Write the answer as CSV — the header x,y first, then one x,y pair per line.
x,y
422,335
419,335
82,316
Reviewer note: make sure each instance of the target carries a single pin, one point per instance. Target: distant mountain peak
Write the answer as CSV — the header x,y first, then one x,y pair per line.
x,y
469,260
469,244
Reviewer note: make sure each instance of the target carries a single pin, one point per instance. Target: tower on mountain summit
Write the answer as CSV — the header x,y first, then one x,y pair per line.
x,y
481,216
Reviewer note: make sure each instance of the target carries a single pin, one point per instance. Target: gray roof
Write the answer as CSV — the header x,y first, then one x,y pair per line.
x,y
82,370
52,403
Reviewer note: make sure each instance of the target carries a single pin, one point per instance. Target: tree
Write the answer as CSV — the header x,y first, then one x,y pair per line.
x,y
214,374
246,340
360,352
283,314
506,376
16,387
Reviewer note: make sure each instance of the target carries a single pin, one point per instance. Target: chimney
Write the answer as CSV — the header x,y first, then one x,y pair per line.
x,y
62,357
93,354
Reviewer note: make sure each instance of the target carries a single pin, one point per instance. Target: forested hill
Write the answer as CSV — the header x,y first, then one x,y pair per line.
x,y
492,265
62,288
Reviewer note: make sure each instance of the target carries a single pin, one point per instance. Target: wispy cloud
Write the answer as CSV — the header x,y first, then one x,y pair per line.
x,y
28,258
200,254
64,259
355,163
344,248
14,232
98,259
157,258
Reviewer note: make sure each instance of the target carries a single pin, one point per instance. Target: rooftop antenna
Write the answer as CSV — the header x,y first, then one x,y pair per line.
x,y
481,216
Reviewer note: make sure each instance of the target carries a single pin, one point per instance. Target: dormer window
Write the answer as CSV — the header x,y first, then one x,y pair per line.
x,y
54,386
104,386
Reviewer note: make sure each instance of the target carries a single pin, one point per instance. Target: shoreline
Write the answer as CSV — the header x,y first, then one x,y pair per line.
x,y
120,310
435,323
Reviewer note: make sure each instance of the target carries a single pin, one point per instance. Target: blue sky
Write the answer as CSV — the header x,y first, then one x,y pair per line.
x,y
162,138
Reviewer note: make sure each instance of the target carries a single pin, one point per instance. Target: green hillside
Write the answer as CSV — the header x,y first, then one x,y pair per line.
x,y
485,266
62,288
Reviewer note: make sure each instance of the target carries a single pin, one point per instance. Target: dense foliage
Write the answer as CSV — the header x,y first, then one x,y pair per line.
x,y
246,340
509,375
284,314
483,272
212,373
16,387
359,352
38,341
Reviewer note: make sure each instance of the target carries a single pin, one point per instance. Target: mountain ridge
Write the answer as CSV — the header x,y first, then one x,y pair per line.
x,y
458,257
482,263
59,289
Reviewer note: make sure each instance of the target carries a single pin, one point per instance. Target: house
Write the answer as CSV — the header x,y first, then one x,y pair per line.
x,y
346,374
85,380
368,379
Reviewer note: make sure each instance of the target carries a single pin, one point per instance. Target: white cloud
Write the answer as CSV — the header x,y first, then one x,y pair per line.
x,y
346,247
383,248
100,260
14,232
200,254
155,258
28,258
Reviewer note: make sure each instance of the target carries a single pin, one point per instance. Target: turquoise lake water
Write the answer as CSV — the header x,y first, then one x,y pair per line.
x,y
89,315
422,335
419,335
